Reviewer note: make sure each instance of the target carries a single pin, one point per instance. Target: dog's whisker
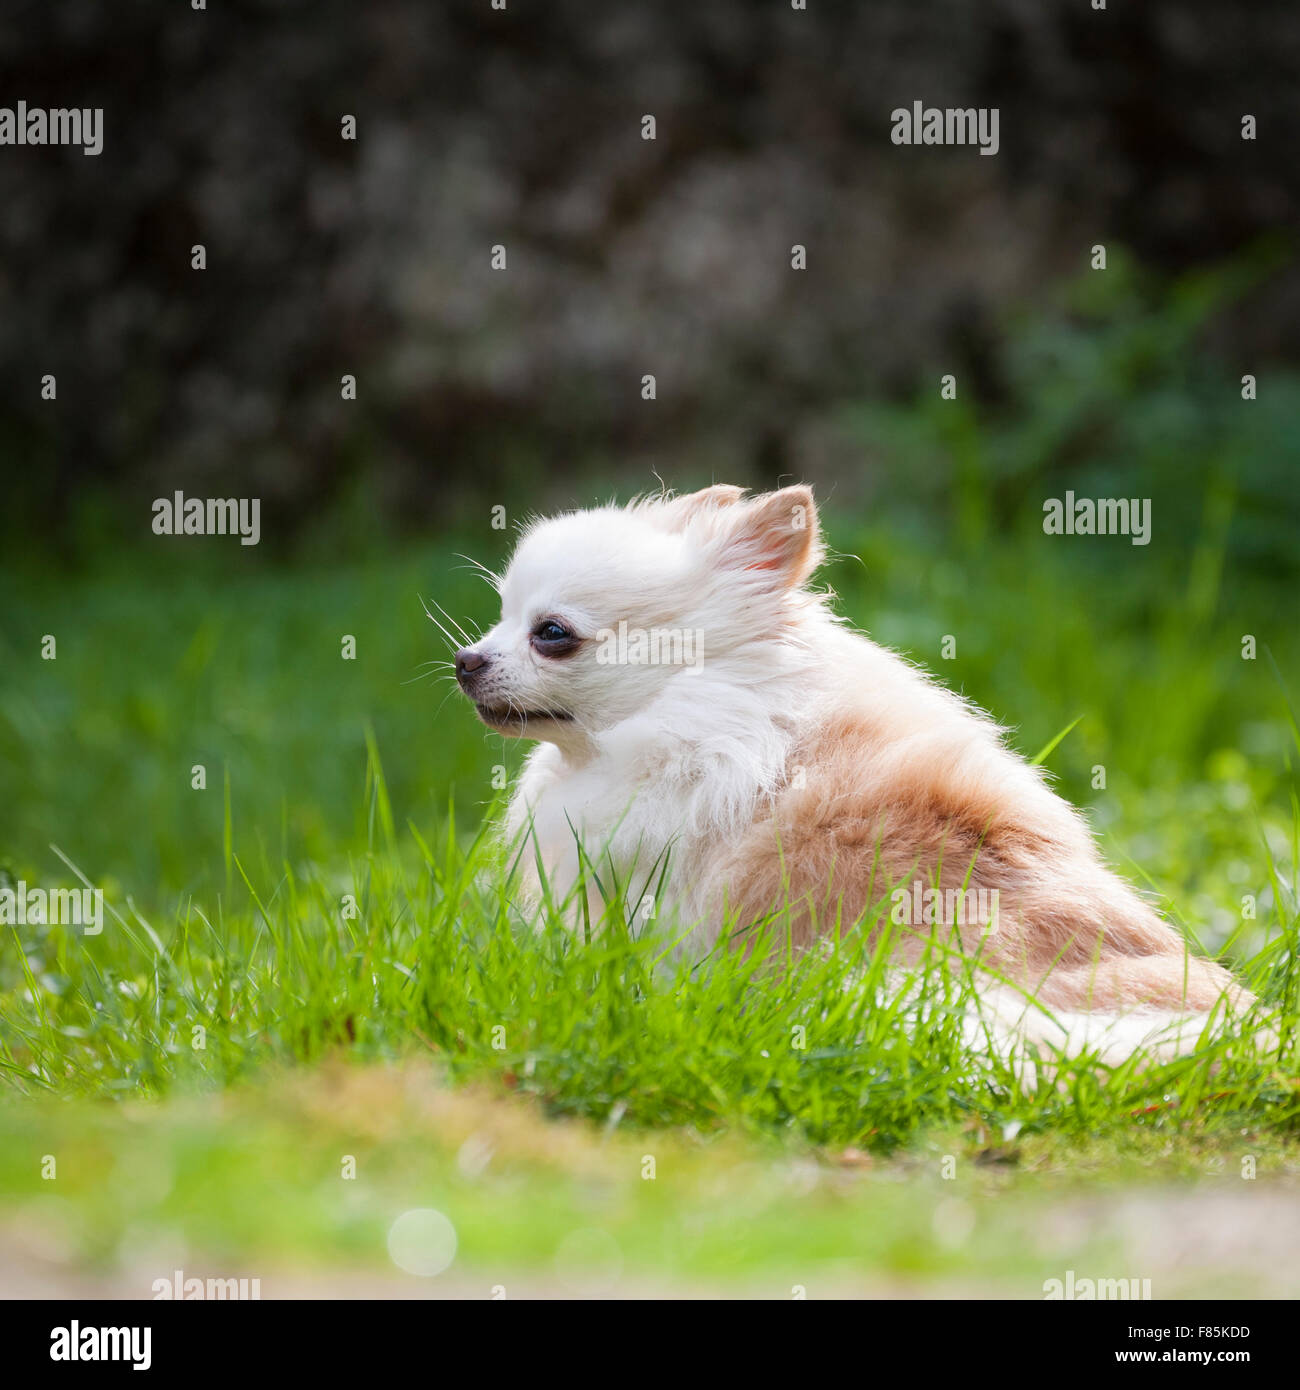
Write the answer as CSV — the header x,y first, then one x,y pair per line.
x,y
442,671
490,576
443,701
466,638
453,642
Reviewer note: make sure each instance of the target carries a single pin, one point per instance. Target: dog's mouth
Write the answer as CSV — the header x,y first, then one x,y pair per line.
x,y
504,716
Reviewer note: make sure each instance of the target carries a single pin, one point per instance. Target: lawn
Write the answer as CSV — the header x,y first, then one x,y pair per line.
x,y
311,952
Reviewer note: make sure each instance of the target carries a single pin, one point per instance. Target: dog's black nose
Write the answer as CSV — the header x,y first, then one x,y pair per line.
x,y
467,662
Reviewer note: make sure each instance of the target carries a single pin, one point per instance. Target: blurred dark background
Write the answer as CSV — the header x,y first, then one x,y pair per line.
x,y
477,127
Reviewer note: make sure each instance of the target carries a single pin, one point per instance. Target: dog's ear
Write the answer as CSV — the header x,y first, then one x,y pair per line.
x,y
678,512
777,532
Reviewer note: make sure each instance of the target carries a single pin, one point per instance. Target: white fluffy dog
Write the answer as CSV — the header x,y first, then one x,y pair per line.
x,y
697,705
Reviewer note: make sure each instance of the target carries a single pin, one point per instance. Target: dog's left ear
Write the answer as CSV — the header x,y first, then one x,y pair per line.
x,y
777,532
679,512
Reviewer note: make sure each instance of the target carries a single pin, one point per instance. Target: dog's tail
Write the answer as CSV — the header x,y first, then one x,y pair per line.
x,y
1008,1024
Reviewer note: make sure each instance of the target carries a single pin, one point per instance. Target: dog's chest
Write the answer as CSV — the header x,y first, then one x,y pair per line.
x,y
630,828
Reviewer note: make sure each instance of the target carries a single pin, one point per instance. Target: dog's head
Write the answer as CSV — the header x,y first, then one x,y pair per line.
x,y
601,609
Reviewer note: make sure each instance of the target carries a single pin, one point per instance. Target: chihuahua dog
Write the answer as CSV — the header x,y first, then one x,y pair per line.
x,y
707,725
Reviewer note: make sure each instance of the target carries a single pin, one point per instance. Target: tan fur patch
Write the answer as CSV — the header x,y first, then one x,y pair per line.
x,y
876,811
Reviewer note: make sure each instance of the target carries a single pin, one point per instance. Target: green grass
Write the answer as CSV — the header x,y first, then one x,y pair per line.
x,y
226,914
428,1035
429,945
769,1102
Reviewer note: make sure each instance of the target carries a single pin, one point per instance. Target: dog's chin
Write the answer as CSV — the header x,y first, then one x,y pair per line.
x,y
520,723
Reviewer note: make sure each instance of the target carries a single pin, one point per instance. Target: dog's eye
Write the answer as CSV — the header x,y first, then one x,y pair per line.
x,y
551,632
554,639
